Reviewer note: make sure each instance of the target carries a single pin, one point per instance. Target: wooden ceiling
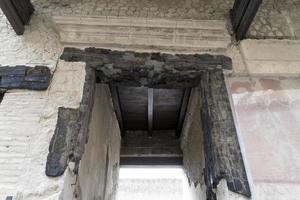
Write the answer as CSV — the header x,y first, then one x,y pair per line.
x,y
141,108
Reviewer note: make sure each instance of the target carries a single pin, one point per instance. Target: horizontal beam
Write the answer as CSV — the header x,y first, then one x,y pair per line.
x,y
153,70
23,77
160,161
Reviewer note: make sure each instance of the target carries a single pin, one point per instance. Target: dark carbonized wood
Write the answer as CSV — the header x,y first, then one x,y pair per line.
x,y
134,104
150,111
118,110
151,161
223,158
247,19
24,9
12,16
167,104
183,108
242,15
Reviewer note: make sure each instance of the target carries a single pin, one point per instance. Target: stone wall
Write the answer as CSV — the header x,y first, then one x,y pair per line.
x,y
277,19
28,123
98,171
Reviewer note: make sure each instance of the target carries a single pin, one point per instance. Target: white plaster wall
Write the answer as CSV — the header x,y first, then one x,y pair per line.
x,y
98,172
28,121
38,46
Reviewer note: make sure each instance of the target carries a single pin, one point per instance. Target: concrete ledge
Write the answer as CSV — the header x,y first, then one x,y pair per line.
x,y
271,57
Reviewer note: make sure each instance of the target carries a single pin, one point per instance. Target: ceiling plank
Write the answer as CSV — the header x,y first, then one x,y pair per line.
x,y
150,111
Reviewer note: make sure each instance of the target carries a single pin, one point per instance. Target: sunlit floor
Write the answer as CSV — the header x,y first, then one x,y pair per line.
x,y
152,184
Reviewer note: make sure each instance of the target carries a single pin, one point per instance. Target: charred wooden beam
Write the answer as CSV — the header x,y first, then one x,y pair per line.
x,y
183,108
2,92
223,158
117,107
150,111
178,161
18,13
153,70
23,77
242,15
71,133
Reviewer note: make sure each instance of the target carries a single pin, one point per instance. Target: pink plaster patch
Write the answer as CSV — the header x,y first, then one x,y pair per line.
x,y
269,123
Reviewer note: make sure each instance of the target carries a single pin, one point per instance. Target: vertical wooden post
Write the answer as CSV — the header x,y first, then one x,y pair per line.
x,y
242,15
150,112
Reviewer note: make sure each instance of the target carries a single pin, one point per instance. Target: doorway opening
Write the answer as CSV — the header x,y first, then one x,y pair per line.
x,y
148,183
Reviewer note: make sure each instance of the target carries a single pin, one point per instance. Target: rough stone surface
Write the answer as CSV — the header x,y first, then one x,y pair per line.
x,y
223,158
71,133
39,45
146,69
23,77
188,9
277,19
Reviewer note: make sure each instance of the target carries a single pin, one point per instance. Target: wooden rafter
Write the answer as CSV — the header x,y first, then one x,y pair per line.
x,y
150,111
242,15
183,108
